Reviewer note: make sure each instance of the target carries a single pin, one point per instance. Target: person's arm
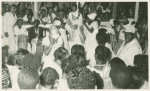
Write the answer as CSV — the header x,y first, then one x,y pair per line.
x,y
47,49
44,23
90,30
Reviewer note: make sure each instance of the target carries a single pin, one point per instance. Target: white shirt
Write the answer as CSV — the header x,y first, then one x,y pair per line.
x,y
63,85
20,31
26,19
53,16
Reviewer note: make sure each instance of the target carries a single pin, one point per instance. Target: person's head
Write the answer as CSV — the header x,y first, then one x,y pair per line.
x,y
114,23
23,51
11,60
82,78
36,22
50,10
116,61
57,23
102,37
102,54
7,8
13,8
60,54
139,60
29,6
120,77
56,7
49,78
29,16
129,34
20,22
75,62
43,11
91,16
27,79
74,7
61,15
78,49
137,80
27,11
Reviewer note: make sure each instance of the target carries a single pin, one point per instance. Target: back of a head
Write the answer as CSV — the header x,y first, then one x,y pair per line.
x,y
102,53
22,51
120,76
60,54
116,22
116,61
76,61
102,37
137,80
27,79
82,78
139,60
78,49
48,76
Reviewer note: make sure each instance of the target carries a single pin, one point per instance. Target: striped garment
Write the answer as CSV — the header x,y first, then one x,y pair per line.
x,y
5,78
118,46
113,41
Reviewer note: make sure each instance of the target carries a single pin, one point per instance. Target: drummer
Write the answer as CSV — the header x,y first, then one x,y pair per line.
x,y
18,29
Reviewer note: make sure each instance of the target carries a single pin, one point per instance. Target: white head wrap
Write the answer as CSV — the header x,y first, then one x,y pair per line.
x,y
112,22
92,16
44,9
130,29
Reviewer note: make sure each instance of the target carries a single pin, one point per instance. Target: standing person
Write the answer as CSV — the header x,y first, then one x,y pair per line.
x,y
75,27
130,47
9,20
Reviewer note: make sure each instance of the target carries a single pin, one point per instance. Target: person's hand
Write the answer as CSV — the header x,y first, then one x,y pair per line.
x,y
6,34
52,41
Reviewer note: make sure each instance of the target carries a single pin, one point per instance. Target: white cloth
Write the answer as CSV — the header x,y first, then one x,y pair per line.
x,y
45,19
8,22
49,18
128,51
46,42
14,78
97,71
20,31
63,85
33,43
145,85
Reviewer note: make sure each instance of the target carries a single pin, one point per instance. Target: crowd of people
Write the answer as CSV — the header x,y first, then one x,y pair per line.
x,y
76,52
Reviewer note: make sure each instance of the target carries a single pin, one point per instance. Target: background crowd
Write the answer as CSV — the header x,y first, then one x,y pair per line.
x,y
76,50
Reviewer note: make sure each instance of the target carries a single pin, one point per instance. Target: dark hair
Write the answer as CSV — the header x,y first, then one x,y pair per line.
x,y
76,61
116,22
102,37
78,49
74,5
139,60
64,65
60,53
48,76
37,20
29,15
137,81
82,78
120,76
23,51
125,22
13,5
116,61
102,53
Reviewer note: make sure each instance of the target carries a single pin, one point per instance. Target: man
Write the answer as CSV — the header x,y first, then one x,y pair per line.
x,y
51,15
36,31
130,47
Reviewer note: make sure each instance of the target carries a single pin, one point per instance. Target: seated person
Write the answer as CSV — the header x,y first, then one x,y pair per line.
x,y
82,78
43,16
120,77
48,79
36,31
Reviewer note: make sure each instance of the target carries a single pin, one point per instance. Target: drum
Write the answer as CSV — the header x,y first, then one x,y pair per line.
x,y
23,41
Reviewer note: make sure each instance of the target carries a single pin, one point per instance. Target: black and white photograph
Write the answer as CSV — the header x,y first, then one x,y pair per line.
x,y
65,45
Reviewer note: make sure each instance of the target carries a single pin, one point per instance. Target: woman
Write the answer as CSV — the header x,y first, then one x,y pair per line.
x,y
75,28
9,20
43,16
